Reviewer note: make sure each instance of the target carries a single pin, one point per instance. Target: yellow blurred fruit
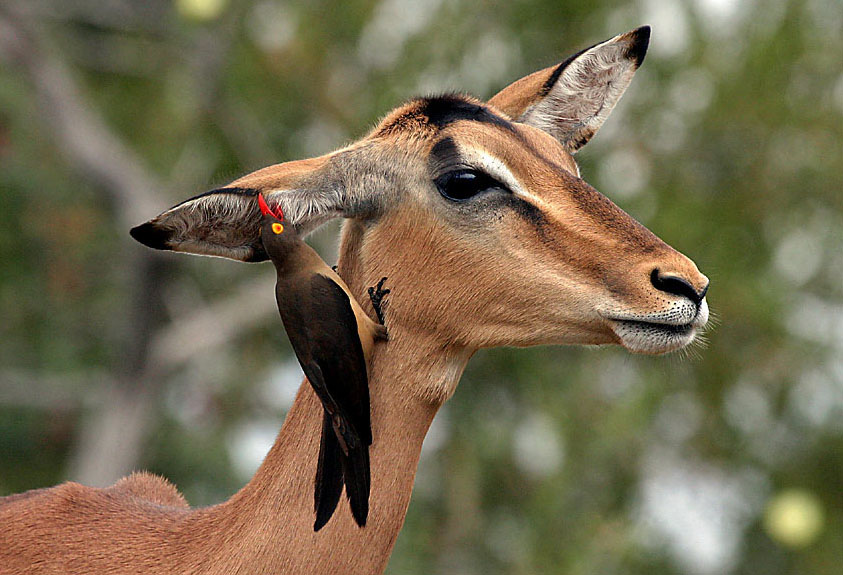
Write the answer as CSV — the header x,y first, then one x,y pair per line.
x,y
794,518
201,10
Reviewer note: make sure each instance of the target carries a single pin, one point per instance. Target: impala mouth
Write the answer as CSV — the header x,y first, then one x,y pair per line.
x,y
666,328
651,337
660,335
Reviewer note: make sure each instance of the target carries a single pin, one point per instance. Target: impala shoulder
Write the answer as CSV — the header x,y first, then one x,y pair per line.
x,y
149,487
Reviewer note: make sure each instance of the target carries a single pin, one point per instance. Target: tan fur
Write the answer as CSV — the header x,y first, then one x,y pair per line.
x,y
553,261
521,94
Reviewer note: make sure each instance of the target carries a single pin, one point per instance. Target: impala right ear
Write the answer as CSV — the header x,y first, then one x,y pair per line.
x,y
226,222
571,100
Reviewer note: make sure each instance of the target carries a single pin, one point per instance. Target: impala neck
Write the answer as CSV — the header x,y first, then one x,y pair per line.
x,y
273,515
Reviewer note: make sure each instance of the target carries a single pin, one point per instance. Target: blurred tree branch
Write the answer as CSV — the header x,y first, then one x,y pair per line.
x,y
66,391
117,15
219,323
97,153
110,440
172,347
91,147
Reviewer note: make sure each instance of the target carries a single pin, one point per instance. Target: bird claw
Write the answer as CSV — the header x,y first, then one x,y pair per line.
x,y
376,294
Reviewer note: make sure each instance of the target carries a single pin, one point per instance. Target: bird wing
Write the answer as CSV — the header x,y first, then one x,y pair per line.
x,y
343,456
338,351
326,341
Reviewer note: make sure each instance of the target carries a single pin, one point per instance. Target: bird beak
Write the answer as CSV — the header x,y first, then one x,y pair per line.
x,y
265,210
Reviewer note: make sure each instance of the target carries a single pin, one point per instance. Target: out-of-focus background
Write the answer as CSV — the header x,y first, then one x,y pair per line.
x,y
726,460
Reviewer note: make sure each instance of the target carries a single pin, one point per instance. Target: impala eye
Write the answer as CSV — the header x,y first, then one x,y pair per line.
x,y
464,184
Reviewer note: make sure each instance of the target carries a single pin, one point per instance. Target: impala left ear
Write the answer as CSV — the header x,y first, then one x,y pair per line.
x,y
571,101
226,222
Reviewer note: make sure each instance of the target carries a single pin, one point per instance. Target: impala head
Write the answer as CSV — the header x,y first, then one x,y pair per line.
x,y
477,214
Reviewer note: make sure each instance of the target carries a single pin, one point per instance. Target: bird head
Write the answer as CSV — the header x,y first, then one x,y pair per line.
x,y
274,231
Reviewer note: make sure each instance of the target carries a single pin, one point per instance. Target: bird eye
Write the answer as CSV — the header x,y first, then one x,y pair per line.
x,y
461,185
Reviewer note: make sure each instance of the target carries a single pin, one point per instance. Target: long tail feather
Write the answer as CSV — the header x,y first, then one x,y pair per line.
x,y
329,474
355,469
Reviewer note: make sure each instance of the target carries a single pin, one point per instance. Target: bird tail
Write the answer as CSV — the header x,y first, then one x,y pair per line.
x,y
329,473
358,482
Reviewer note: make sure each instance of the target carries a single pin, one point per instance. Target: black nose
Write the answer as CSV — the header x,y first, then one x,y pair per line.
x,y
677,286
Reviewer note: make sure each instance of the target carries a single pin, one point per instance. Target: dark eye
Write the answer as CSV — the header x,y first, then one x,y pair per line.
x,y
464,184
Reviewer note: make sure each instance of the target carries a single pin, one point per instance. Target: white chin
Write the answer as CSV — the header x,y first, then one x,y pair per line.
x,y
653,338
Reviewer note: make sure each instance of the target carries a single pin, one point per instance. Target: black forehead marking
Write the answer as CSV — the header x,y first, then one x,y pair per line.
x,y
444,110
445,152
440,111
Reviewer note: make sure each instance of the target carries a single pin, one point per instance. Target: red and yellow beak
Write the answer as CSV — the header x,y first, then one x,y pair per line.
x,y
278,214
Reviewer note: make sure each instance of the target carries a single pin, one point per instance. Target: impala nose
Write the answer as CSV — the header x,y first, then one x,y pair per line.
x,y
677,286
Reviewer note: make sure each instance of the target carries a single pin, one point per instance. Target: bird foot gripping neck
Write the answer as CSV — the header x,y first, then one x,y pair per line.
x,y
376,295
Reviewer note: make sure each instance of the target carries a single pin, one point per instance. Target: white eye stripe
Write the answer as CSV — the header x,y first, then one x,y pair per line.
x,y
497,168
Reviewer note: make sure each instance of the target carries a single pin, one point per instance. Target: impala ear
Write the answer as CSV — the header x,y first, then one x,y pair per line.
x,y
571,101
226,222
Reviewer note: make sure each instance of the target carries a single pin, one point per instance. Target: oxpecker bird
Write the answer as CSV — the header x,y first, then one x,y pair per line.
x,y
333,338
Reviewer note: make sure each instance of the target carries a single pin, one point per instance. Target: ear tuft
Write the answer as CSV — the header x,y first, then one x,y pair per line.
x,y
223,222
226,222
570,101
639,42
152,236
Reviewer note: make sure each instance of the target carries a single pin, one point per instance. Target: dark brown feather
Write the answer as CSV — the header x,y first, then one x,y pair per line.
x,y
329,473
320,322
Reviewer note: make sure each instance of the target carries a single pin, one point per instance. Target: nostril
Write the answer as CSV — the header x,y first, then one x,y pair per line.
x,y
677,286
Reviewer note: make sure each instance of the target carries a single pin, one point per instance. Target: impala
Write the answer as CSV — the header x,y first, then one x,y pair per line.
x,y
477,215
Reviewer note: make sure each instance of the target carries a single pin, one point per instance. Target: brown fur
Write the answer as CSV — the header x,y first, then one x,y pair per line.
x,y
553,261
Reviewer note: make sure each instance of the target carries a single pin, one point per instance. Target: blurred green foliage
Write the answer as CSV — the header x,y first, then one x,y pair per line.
x,y
729,145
